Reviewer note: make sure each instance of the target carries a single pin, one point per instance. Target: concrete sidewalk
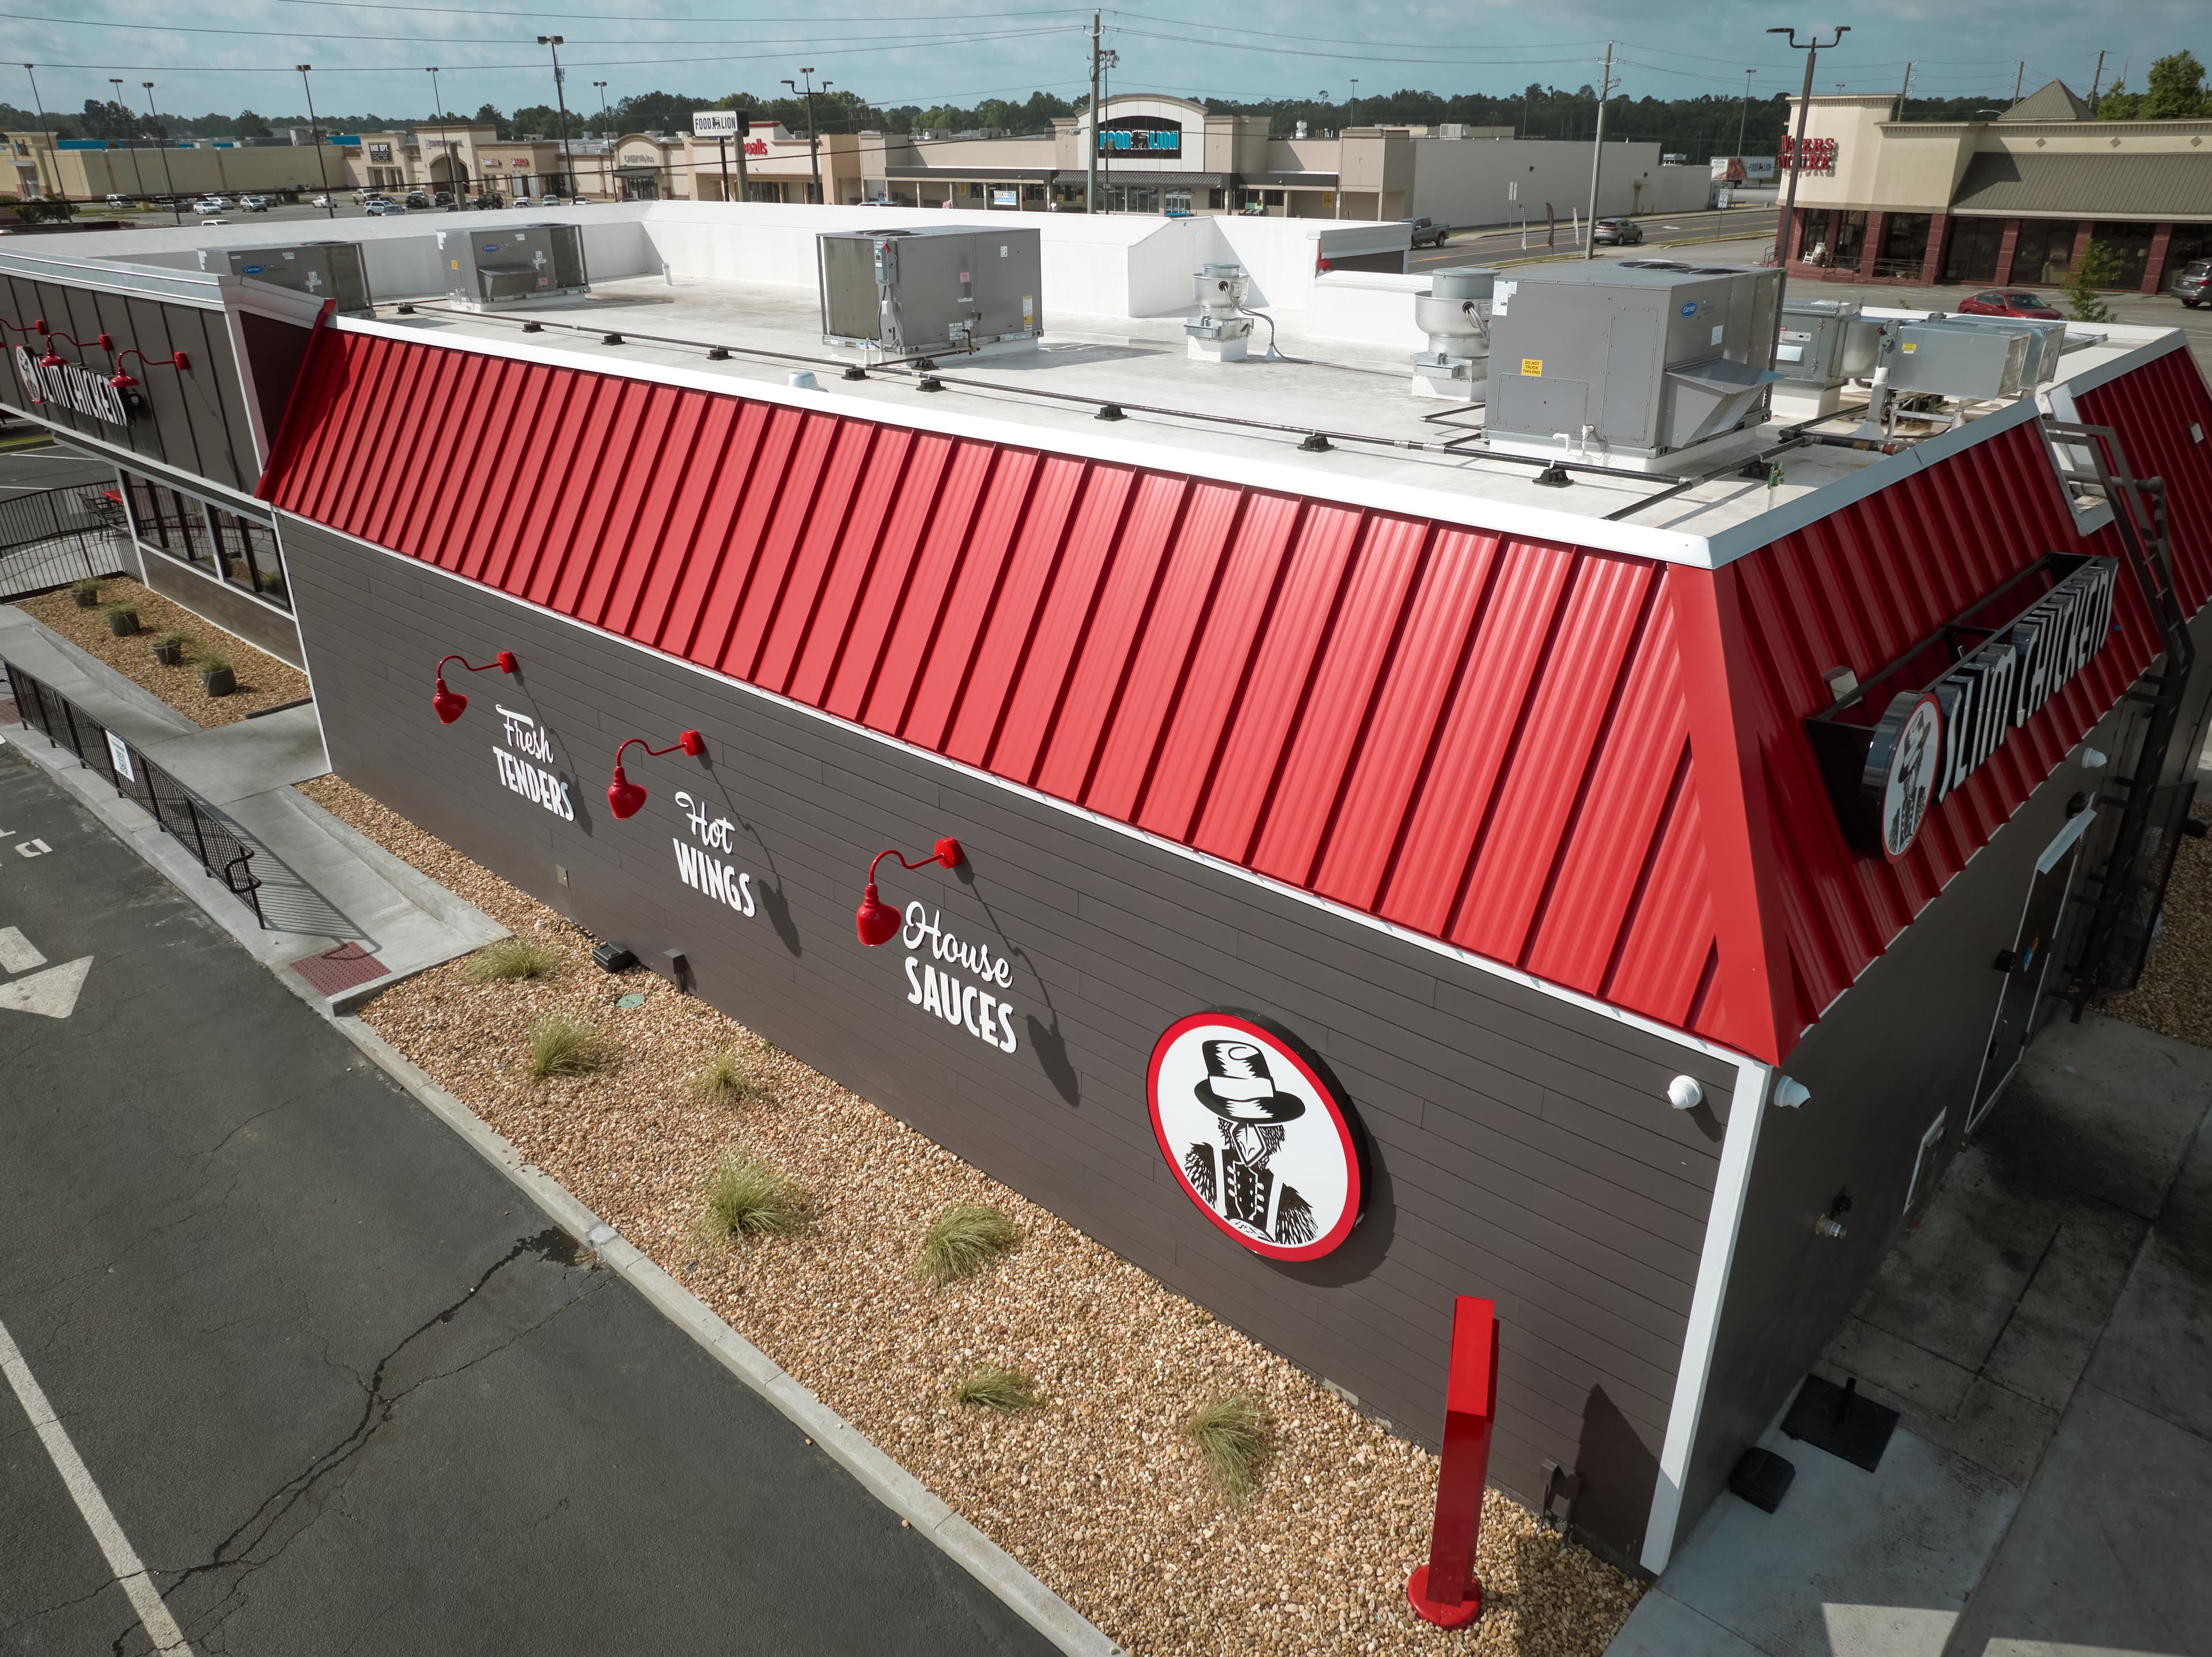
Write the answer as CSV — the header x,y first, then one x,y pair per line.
x,y
2044,1331
322,884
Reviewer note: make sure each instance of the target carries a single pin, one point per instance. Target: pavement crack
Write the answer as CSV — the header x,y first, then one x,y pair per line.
x,y
241,1553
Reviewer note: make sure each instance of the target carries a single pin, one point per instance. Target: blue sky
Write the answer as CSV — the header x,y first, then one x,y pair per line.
x,y
372,55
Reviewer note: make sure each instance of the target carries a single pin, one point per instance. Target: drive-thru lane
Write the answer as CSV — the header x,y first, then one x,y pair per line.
x,y
340,1385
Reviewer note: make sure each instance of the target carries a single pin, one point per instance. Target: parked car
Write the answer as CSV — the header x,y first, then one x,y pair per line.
x,y
215,218
257,203
323,201
1427,233
488,201
1616,233
443,198
2009,301
206,204
119,201
386,209
2194,285
417,198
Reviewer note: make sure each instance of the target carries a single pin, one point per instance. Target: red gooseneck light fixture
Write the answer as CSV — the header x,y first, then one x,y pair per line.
x,y
450,704
624,796
876,921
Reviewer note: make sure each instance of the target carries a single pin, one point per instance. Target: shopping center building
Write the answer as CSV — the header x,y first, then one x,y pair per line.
x,y
1391,849
2013,198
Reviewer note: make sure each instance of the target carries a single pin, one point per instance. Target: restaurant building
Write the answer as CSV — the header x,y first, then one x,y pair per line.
x,y
1341,862
2012,199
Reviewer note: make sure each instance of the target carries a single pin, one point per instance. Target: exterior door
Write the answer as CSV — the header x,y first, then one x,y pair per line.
x,y
2026,965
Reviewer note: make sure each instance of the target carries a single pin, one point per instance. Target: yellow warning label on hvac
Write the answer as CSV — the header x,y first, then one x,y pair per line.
x,y
1532,367
1910,347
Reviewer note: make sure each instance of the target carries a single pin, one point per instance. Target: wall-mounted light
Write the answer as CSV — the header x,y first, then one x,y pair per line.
x,y
876,921
174,359
624,796
450,704
1684,1094
1790,1092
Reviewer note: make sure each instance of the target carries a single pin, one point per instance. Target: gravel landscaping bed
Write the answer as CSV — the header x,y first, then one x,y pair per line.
x,y
1097,1491
2175,995
262,681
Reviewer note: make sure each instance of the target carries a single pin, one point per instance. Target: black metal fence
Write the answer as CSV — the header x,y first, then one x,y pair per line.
x,y
193,823
57,536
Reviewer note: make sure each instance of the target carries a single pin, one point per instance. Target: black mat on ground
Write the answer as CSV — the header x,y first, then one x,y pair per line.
x,y
1762,1479
1837,1420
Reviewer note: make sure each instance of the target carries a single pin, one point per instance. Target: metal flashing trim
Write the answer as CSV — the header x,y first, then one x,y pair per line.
x,y
1484,965
2103,374
1316,483
1731,1185
2077,826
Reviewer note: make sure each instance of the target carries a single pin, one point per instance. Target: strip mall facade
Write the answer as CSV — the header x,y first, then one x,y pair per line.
x,y
1506,833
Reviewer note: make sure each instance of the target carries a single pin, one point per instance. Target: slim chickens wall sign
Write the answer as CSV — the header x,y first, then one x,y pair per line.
x,y
1950,701
1259,1136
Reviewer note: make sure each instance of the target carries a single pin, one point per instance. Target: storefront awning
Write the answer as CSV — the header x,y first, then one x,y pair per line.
x,y
2173,187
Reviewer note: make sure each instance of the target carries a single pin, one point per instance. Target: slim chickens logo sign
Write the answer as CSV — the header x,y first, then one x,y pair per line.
x,y
1258,1138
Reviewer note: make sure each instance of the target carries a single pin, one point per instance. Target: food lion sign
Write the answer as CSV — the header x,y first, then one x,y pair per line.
x,y
72,386
1884,780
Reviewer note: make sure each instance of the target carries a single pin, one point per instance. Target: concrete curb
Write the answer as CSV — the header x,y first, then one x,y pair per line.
x,y
882,1478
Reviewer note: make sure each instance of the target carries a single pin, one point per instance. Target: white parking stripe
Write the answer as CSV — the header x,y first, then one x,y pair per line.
x,y
17,953
122,1558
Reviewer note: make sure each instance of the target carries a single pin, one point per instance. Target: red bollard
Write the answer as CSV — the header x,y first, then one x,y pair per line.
x,y
1445,1591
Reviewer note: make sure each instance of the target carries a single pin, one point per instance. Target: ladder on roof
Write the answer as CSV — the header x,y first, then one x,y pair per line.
x,y
2130,888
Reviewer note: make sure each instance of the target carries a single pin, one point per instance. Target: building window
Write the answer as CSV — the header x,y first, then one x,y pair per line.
x,y
2045,251
1904,245
239,551
1175,201
1972,255
2131,242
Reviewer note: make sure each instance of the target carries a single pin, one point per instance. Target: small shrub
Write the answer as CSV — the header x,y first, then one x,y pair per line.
x,y
210,661
724,1080
181,641
993,1388
963,1239
85,592
747,1198
2099,268
513,958
1235,1435
562,1045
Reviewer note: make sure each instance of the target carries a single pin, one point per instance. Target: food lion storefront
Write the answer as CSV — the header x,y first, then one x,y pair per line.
x,y
1623,926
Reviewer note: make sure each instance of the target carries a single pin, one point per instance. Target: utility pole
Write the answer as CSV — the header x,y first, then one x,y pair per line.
x,y
1812,49
53,152
1597,151
315,132
1904,90
116,80
552,43
2096,81
813,146
1743,121
167,178
745,137
1091,160
446,139
2019,76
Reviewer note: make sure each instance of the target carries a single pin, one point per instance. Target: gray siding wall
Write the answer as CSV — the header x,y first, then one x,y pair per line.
x,y
202,595
1522,1148
1903,1043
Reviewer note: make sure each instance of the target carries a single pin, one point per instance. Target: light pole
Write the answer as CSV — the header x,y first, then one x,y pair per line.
x,y
445,138
1743,121
167,178
1812,48
1597,152
1091,160
813,144
1352,111
552,43
53,152
116,80
606,121
315,132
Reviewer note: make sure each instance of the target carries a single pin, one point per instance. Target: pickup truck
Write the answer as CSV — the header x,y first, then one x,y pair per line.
x,y
1427,233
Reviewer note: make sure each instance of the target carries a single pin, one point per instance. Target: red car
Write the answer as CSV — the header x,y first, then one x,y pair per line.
x,y
2007,303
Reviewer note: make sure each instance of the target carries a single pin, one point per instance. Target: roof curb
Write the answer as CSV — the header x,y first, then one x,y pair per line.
x,y
845,1444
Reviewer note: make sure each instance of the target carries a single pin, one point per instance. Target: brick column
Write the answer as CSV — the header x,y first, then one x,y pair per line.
x,y
2007,245
2162,238
1870,249
2084,233
1931,261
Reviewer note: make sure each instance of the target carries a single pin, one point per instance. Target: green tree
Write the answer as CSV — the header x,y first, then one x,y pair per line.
x,y
2099,268
251,126
2119,104
488,116
2176,90
109,119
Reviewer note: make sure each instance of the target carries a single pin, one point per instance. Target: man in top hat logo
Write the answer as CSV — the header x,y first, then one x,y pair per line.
x,y
1234,1177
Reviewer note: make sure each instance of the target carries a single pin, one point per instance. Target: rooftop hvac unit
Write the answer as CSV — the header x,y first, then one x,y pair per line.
x,y
490,268
321,270
1824,344
918,293
2046,342
1631,361
1952,358
1221,331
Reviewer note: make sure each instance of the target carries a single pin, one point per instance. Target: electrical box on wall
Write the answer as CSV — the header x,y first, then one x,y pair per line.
x,y
496,268
905,293
321,270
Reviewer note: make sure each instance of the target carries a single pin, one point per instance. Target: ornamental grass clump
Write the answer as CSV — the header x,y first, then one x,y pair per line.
x,y
725,1080
1008,1390
1235,1436
513,958
963,1239
747,1198
562,1045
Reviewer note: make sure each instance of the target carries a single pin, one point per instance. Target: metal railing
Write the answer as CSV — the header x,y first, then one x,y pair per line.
x,y
57,536
192,822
